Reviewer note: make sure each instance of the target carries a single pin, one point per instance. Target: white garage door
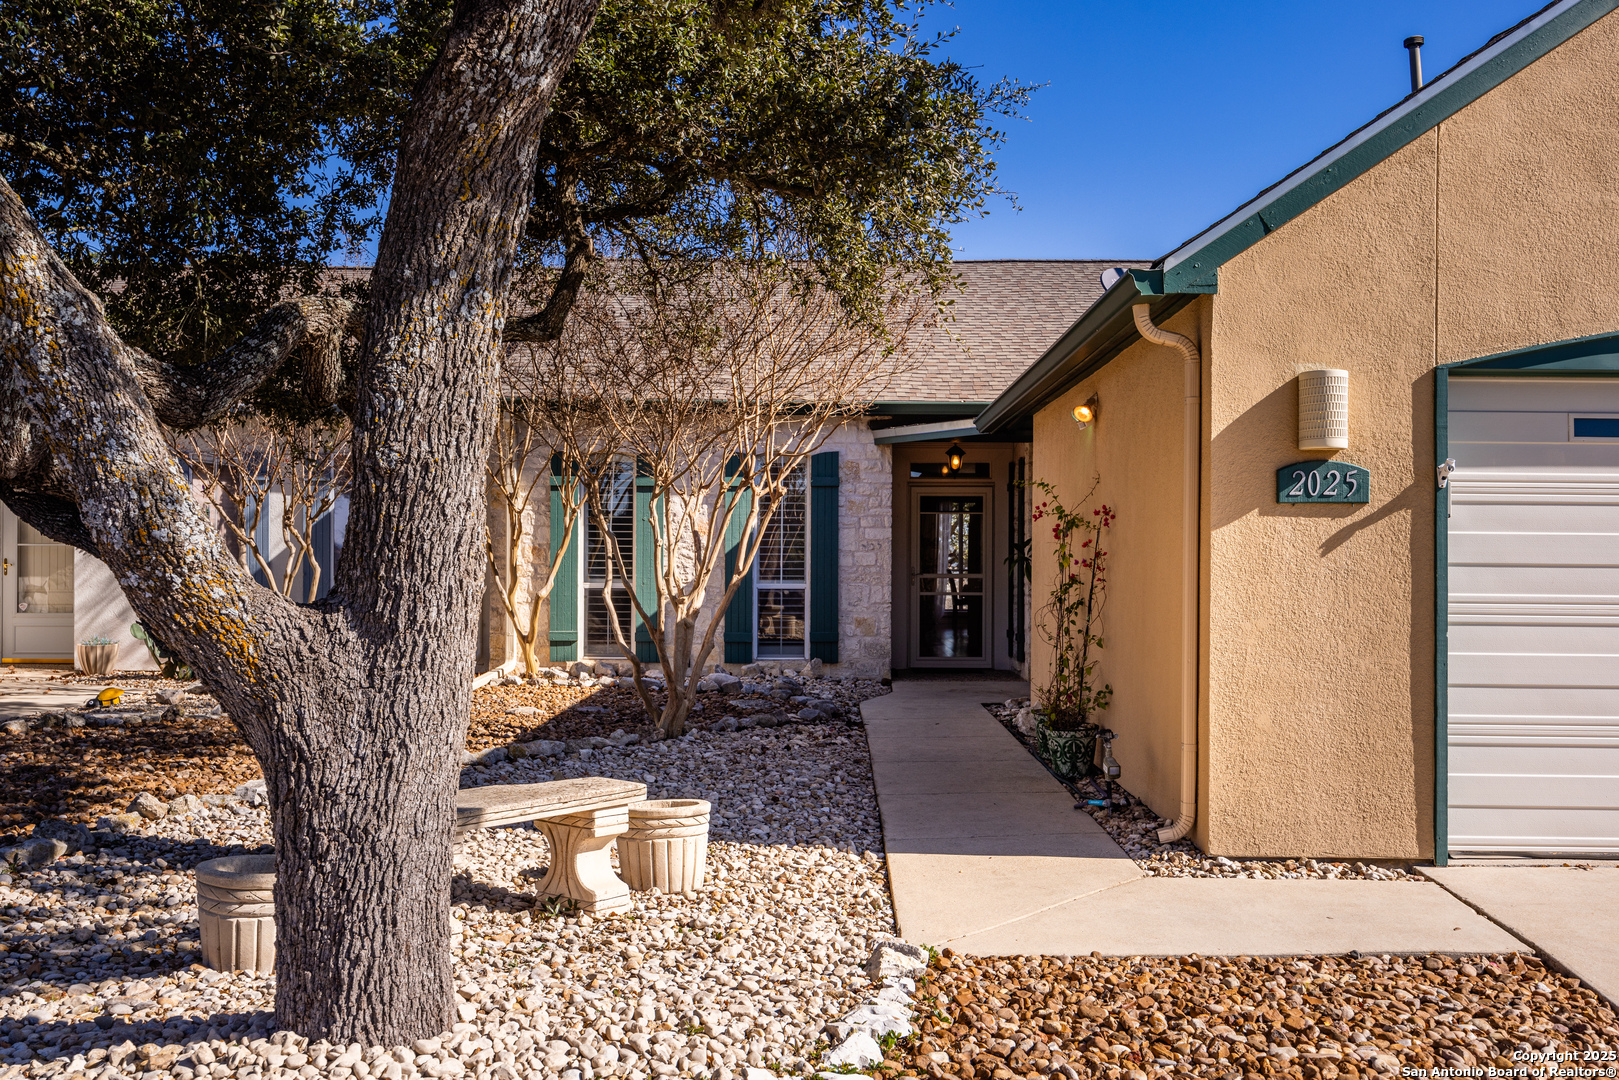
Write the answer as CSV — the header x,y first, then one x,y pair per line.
x,y
1534,616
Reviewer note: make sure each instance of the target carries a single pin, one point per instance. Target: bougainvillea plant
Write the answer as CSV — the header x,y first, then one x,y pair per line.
x,y
1071,621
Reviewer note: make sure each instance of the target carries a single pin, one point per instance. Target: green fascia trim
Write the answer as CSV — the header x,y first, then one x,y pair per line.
x,y
1105,330
1596,355
925,433
1441,625
927,408
1196,263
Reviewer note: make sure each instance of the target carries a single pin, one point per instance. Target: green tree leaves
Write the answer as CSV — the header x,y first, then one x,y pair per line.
x,y
828,127
196,160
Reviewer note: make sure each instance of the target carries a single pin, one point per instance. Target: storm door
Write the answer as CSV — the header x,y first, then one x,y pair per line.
x,y
949,587
36,593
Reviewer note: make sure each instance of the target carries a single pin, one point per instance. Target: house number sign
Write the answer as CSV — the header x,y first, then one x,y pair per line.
x,y
1323,482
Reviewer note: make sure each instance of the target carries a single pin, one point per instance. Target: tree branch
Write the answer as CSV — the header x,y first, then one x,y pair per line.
x,y
77,386
315,326
546,324
54,515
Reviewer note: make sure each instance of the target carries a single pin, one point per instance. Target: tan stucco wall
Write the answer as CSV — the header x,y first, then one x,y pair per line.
x,y
1134,454
1495,231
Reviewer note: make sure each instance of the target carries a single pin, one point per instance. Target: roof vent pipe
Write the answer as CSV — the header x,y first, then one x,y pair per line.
x,y
1413,45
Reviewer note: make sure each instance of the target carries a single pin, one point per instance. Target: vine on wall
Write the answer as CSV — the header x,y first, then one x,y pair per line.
x,y
1071,620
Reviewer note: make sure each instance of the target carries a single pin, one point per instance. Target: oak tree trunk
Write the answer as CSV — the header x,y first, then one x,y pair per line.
x,y
356,706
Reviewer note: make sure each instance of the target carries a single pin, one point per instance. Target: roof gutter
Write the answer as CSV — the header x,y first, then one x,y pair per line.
x,y
947,429
1106,329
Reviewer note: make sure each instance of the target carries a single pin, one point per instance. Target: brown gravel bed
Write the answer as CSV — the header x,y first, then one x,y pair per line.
x,y
1134,827
1321,1018
82,773
570,711
557,715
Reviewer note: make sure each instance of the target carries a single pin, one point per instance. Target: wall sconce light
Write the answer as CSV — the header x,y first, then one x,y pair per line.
x,y
955,456
1324,409
1085,415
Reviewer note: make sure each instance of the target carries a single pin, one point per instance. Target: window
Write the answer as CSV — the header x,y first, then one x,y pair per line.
x,y
44,573
1604,428
782,574
618,501
939,470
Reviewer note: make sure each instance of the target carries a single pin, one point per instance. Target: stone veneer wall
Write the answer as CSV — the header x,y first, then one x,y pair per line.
x,y
865,555
865,538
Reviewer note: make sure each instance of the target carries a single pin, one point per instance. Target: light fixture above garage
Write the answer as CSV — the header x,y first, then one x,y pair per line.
x,y
955,456
1085,415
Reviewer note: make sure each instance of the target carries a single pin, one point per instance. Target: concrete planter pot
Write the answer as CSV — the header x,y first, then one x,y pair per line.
x,y
236,906
1069,753
666,846
95,659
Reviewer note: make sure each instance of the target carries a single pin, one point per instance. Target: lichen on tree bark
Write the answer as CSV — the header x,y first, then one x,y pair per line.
x,y
356,706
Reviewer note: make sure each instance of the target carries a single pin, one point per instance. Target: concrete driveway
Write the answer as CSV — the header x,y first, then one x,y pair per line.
x,y
1569,913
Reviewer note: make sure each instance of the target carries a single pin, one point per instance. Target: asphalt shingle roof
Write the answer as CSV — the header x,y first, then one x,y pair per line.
x,y
1008,314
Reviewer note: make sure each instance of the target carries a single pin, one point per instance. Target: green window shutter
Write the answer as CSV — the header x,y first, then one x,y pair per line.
x,y
823,558
739,615
564,629
646,567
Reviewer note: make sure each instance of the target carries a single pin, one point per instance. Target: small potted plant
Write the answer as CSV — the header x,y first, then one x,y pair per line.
x,y
96,656
1071,623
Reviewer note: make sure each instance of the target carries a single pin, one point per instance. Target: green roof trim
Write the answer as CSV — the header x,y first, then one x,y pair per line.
x,y
1195,265
1105,329
936,432
927,408
1594,355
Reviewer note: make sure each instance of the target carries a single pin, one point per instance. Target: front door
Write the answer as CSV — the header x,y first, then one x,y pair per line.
x,y
36,593
950,600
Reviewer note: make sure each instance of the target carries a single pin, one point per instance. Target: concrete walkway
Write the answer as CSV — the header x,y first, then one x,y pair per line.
x,y
987,854
1569,913
26,690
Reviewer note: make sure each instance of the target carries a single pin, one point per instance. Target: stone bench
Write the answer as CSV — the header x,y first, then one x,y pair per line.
x,y
580,818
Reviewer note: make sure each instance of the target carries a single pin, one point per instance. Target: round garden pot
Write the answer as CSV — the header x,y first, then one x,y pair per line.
x,y
666,846
96,659
236,906
1069,753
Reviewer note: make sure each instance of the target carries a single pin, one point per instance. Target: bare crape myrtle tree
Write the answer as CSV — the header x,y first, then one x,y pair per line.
x,y
250,472
711,385
546,410
356,706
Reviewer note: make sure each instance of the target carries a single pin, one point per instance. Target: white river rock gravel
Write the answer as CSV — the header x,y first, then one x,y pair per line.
x,y
99,976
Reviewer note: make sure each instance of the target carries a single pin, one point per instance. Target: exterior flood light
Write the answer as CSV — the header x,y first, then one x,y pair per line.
x,y
1085,414
955,456
1324,409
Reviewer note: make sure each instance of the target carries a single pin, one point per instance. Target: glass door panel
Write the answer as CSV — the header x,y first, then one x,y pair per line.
x,y
36,593
951,601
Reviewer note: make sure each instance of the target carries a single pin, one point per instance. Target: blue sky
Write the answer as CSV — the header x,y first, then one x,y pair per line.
x,y
1161,116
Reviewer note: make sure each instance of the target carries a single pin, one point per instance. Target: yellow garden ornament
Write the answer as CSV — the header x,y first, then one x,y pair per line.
x,y
107,697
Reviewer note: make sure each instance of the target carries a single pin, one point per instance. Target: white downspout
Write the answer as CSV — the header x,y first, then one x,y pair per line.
x,y
1191,550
